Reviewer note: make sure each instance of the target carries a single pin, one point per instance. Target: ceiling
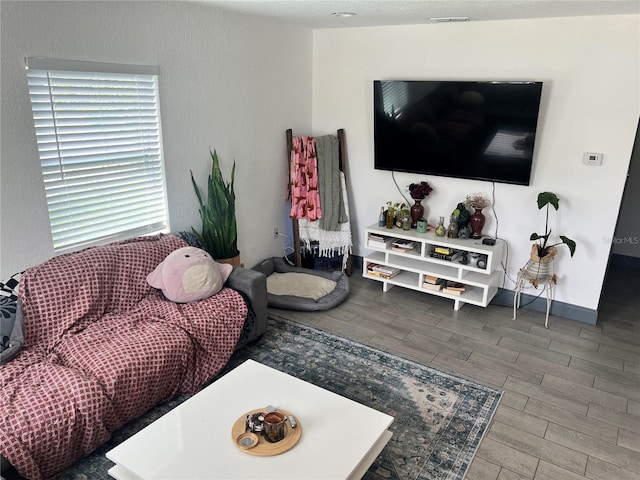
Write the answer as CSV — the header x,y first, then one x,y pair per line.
x,y
317,14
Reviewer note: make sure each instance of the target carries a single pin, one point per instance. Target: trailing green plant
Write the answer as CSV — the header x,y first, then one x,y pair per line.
x,y
544,200
398,207
400,210
219,235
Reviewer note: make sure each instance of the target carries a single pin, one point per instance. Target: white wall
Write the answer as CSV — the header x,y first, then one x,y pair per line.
x,y
227,82
591,103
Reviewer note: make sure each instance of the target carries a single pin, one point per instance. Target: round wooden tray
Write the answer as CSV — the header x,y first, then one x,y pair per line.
x,y
264,448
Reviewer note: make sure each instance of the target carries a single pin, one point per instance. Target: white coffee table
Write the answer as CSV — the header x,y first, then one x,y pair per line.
x,y
340,438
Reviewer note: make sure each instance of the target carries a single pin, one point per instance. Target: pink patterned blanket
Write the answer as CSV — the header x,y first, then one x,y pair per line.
x,y
305,196
101,348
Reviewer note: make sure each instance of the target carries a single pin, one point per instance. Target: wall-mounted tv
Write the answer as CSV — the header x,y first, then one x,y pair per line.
x,y
477,130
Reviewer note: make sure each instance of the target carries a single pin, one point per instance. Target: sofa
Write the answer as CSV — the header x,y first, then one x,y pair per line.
x,y
102,347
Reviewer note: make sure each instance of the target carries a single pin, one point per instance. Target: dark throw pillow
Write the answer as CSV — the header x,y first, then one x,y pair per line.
x,y
11,323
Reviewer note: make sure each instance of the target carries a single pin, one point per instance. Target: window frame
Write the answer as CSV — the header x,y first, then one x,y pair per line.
x,y
122,158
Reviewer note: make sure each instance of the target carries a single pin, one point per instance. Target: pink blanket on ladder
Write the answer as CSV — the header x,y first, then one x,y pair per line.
x,y
305,198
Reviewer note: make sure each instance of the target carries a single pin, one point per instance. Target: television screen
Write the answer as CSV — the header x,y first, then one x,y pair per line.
x,y
475,130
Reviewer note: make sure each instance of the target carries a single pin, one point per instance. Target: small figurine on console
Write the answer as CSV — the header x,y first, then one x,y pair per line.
x,y
462,217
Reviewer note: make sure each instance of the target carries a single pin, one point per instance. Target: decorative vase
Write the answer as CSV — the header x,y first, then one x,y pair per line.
x,y
441,231
417,212
400,214
452,231
390,217
539,268
476,222
382,220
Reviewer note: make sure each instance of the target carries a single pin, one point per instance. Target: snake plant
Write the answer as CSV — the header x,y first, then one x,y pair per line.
x,y
219,235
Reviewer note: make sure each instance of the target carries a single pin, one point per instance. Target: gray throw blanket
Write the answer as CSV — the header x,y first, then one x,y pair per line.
x,y
331,201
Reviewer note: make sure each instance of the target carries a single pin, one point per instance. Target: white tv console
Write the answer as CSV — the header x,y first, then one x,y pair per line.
x,y
481,284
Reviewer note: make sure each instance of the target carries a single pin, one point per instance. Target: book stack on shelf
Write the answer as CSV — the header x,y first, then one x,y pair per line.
x,y
403,246
432,283
379,241
382,271
453,288
444,253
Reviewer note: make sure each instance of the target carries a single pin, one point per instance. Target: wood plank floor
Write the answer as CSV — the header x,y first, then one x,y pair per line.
x,y
571,408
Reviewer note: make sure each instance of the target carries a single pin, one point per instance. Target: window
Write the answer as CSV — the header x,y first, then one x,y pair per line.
x,y
100,146
396,97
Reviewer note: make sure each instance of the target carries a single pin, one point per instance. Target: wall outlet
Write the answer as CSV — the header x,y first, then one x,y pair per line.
x,y
275,232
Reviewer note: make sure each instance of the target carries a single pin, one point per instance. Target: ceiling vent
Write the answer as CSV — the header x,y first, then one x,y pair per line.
x,y
449,19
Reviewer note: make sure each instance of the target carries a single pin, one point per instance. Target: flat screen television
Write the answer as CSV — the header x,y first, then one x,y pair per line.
x,y
477,130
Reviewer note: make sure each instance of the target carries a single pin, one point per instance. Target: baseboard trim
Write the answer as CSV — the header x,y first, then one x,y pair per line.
x,y
539,304
504,298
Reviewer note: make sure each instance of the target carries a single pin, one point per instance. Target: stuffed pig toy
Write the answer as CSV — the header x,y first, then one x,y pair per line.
x,y
189,274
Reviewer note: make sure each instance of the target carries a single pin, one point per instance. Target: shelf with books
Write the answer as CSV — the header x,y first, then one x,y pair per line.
x,y
440,258
405,279
402,279
471,295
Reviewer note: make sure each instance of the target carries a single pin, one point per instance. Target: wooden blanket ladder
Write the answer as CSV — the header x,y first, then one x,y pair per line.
x,y
342,158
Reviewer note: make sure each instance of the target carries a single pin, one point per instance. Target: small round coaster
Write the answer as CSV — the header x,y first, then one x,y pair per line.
x,y
247,440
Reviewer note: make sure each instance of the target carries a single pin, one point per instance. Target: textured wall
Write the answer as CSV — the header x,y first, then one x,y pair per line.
x,y
227,82
590,103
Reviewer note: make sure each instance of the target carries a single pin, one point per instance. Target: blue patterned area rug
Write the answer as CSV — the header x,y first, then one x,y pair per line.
x,y
439,418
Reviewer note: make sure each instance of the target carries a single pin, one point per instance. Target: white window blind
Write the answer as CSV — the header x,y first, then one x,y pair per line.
x,y
395,97
100,146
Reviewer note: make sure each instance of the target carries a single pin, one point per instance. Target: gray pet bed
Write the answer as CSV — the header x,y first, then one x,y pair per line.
x,y
305,303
